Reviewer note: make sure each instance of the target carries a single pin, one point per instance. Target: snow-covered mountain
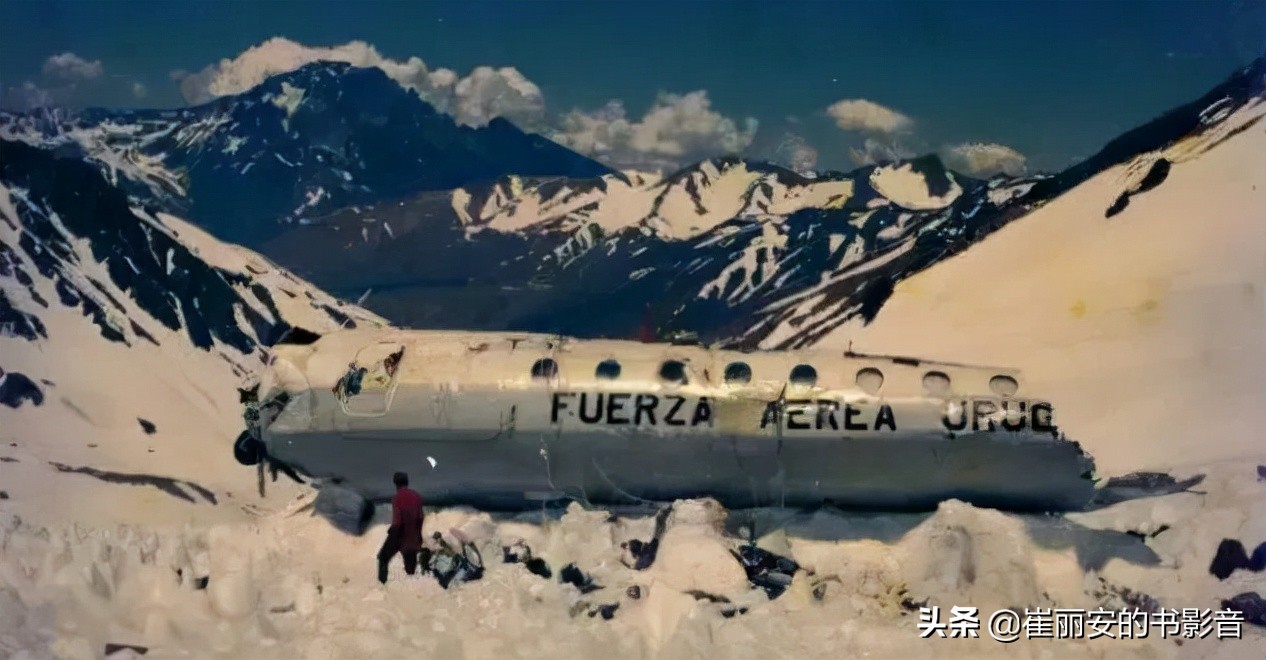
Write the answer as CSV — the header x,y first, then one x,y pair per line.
x,y
379,193
84,271
733,250
300,144
706,247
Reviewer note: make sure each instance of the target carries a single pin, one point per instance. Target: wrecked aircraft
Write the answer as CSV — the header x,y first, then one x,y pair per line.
x,y
511,420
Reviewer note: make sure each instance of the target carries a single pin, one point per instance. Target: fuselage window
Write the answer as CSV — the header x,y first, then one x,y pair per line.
x,y
607,370
545,368
870,380
738,373
804,375
673,371
1004,385
936,383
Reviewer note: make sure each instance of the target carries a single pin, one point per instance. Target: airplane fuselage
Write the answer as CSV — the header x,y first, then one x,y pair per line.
x,y
507,420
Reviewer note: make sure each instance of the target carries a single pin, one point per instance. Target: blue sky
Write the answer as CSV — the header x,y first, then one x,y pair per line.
x,y
1051,80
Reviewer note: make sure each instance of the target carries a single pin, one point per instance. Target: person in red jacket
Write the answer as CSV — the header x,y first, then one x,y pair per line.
x,y
405,533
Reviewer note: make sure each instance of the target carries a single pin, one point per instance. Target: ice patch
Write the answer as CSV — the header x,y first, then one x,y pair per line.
x,y
234,144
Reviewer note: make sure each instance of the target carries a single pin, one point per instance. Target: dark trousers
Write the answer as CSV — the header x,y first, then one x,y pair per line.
x,y
389,549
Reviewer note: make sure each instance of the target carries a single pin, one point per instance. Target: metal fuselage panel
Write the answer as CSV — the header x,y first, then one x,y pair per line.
x,y
602,443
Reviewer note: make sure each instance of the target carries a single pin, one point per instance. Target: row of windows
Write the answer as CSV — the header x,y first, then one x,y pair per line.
x,y
868,379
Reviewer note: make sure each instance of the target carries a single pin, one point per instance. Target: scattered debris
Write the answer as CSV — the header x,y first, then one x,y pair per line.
x,y
909,604
634,592
451,566
1115,597
202,582
519,553
607,611
111,649
643,552
4,494
147,425
8,459
1261,473
1251,604
727,612
576,577
766,570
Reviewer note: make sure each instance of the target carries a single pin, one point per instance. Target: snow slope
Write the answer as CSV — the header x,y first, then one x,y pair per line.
x,y
1146,324
134,331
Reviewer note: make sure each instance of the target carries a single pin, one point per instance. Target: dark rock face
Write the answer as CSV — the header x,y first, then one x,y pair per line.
x,y
157,271
1154,177
16,389
1231,556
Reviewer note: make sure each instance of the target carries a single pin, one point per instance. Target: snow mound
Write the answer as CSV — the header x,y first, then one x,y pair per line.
x,y
283,582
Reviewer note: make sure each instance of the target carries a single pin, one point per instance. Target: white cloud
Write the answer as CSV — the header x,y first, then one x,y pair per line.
x,y
27,97
981,159
473,100
867,116
677,129
797,153
879,152
69,66
487,93
139,90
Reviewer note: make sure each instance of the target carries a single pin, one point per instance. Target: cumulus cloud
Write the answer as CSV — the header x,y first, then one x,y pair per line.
x,y
69,66
797,153
879,152
867,116
982,159
474,100
139,91
27,97
678,128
